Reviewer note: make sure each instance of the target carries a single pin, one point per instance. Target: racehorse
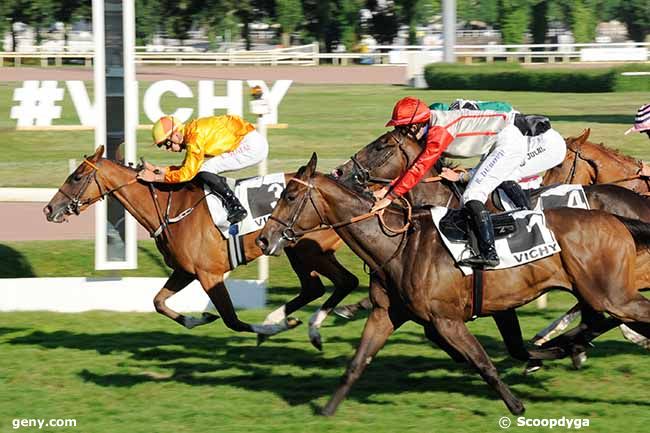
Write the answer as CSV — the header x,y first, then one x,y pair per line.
x,y
193,247
589,163
415,278
391,154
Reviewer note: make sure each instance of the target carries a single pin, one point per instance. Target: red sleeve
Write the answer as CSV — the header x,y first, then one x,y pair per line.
x,y
438,140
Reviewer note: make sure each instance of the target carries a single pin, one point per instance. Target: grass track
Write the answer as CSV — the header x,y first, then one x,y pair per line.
x,y
143,373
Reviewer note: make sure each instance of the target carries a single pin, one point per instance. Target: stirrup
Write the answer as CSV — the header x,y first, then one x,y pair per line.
x,y
479,261
237,214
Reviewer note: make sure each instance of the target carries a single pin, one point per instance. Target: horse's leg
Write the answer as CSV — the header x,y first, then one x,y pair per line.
x,y
378,328
508,324
382,322
344,283
434,336
215,287
458,336
558,325
349,311
177,281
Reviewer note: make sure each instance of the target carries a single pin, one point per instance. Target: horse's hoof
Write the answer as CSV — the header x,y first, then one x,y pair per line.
x,y
344,312
578,359
261,338
316,341
209,317
292,322
516,408
532,366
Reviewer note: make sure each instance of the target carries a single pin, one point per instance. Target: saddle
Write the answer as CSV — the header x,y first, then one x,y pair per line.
x,y
456,227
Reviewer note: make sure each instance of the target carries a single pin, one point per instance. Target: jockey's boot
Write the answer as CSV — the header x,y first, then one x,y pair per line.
x,y
480,218
514,191
220,188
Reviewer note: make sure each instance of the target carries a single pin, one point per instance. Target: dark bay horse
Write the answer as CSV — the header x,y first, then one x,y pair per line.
x,y
193,247
589,163
392,153
415,278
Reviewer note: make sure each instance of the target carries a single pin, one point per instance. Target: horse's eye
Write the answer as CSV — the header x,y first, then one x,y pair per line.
x,y
77,177
291,197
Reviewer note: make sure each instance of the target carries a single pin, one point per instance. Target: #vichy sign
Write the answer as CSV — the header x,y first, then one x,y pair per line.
x,y
37,100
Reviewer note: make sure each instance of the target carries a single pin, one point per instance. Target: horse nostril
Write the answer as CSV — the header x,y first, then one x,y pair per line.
x,y
337,173
47,210
262,243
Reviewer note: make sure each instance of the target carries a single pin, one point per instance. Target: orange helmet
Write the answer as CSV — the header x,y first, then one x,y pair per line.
x,y
409,110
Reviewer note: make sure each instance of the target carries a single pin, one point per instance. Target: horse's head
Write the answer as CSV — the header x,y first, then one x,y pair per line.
x,y
294,212
576,167
77,191
380,161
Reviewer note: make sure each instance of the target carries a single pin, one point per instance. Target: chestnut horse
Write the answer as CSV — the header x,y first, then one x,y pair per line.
x,y
193,247
589,163
415,278
392,153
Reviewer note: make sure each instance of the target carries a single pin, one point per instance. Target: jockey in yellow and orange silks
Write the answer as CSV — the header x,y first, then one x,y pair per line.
x,y
213,145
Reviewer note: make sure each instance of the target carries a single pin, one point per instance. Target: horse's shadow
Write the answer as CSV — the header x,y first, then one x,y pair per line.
x,y
197,360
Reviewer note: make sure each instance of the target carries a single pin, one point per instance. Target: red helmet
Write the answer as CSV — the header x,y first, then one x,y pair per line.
x,y
409,110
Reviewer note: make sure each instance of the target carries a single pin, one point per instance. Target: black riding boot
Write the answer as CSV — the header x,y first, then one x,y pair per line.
x,y
220,188
482,224
514,191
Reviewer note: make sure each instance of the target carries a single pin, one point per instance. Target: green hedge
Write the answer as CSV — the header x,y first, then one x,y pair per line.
x,y
515,77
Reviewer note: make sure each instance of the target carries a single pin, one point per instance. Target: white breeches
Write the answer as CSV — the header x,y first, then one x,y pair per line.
x,y
252,150
513,157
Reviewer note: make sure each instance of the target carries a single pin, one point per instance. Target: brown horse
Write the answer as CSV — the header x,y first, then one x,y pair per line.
x,y
391,154
589,163
193,247
415,278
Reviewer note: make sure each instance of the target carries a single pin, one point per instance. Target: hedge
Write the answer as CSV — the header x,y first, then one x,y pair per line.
x,y
515,77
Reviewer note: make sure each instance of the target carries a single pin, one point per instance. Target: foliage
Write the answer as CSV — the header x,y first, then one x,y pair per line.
x,y
290,15
513,19
583,21
636,15
514,77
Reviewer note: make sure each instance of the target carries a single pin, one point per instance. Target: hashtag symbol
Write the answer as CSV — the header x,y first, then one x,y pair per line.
x,y
37,103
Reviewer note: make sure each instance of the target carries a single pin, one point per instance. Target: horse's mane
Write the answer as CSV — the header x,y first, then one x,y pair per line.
x,y
601,148
190,185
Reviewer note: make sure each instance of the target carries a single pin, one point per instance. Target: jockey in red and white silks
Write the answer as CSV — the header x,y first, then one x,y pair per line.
x,y
507,154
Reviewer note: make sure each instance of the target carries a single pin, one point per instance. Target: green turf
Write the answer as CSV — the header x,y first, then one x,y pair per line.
x,y
143,373
332,120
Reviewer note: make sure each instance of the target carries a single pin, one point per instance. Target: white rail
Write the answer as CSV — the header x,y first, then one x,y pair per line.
x,y
309,55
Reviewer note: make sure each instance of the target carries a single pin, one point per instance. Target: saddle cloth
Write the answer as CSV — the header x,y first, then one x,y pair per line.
x,y
549,197
521,236
258,195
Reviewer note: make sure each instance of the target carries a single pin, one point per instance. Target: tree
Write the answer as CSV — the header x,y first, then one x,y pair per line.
x,y
583,22
539,24
636,15
289,17
513,19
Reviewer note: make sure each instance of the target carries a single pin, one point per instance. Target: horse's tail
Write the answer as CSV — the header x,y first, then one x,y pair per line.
x,y
639,230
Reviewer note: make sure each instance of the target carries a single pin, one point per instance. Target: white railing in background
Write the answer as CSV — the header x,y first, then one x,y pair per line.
x,y
309,55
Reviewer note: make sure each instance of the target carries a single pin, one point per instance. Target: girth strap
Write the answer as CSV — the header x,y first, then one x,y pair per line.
x,y
478,282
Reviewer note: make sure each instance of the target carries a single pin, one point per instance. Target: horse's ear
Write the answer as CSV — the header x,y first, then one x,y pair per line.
x,y
311,165
584,136
98,153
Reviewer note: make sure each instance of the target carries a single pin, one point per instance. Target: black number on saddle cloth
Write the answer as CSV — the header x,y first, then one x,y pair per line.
x,y
576,199
263,199
529,224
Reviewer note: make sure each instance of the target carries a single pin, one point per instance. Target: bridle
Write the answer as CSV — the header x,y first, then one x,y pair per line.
x,y
76,203
573,170
292,235
362,174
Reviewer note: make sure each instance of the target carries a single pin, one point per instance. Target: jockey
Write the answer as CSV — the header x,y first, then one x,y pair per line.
x,y
213,145
499,137
641,121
